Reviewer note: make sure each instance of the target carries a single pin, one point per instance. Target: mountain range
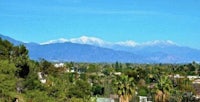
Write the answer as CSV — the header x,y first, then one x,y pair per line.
x,y
92,49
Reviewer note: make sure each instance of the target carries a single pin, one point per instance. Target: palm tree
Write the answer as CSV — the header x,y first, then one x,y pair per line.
x,y
163,88
125,88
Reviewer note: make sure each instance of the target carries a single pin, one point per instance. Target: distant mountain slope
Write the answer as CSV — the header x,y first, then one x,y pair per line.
x,y
157,51
93,49
174,54
15,42
164,52
80,53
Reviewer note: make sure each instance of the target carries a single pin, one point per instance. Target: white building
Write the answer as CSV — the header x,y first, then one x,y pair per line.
x,y
117,73
178,76
41,78
57,65
193,77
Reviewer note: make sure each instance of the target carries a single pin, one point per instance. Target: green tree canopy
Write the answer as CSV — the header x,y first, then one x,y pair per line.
x,y
124,87
7,80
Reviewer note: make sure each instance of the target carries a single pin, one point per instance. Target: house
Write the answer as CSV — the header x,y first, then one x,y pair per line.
x,y
72,69
41,77
197,81
178,76
117,73
43,81
105,100
193,77
57,65
143,99
16,100
67,70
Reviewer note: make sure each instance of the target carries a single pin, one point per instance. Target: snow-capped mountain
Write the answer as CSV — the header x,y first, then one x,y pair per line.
x,y
91,49
61,40
101,43
153,51
82,40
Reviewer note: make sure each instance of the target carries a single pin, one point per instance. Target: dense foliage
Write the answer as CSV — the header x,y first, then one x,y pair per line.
x,y
42,81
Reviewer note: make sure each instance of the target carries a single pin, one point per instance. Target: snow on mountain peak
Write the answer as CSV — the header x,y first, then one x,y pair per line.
x,y
61,40
128,43
88,40
99,42
159,42
81,40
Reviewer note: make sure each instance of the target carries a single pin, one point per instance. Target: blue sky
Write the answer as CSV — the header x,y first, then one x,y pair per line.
x,y
111,20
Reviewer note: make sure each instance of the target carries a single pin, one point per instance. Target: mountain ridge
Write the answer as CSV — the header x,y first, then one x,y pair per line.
x,y
102,43
15,42
151,52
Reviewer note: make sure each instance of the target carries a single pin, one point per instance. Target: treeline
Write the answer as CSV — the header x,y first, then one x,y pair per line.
x,y
27,80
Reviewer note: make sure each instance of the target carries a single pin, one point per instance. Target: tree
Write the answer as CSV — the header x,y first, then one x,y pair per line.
x,y
7,81
46,67
80,89
6,49
16,54
93,68
31,82
38,96
185,85
124,87
176,96
21,59
57,87
97,90
108,71
163,88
